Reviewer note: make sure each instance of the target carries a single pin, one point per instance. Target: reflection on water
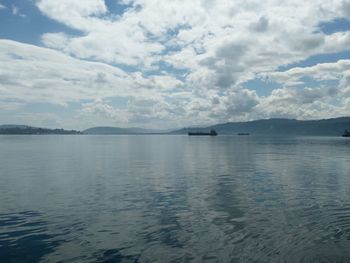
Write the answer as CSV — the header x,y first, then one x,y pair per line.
x,y
174,199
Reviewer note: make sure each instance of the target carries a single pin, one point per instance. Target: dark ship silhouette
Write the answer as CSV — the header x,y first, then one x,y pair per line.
x,y
211,133
346,133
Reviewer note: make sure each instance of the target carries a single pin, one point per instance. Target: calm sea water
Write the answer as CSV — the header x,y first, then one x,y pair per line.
x,y
174,199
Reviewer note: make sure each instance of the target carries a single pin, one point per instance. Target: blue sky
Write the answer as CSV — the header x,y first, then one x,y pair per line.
x,y
168,64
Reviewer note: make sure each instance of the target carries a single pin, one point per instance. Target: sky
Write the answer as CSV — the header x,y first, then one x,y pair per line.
x,y
172,63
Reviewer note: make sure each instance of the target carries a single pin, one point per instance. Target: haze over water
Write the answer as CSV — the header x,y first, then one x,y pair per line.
x,y
174,199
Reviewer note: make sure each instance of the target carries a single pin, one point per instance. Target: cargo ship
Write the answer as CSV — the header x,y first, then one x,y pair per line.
x,y
346,133
211,133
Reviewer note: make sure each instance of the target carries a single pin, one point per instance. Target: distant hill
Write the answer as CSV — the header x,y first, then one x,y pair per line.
x,y
275,127
24,129
119,131
326,127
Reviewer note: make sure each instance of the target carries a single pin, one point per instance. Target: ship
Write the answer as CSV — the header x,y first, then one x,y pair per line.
x,y
243,133
346,133
211,133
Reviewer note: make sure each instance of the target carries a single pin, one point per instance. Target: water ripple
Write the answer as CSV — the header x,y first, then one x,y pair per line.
x,y
174,199
24,237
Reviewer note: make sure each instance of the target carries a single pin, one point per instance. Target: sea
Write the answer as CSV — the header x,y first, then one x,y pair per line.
x,y
174,198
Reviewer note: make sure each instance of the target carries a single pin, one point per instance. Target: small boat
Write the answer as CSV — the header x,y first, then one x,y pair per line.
x,y
211,133
346,133
243,133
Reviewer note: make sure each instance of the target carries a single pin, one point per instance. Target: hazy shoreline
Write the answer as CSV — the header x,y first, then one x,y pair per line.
x,y
275,127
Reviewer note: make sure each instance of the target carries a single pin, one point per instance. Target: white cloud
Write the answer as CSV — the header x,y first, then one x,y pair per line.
x,y
105,113
75,14
17,12
104,39
187,60
266,31
306,103
2,6
38,74
31,74
319,72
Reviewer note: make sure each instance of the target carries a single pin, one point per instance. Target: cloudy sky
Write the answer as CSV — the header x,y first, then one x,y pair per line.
x,y
172,63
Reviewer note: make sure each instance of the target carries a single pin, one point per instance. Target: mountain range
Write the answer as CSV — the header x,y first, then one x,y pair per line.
x,y
275,127
325,127
27,130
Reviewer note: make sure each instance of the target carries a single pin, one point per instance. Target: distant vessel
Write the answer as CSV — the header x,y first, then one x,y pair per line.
x,y
346,133
211,133
243,133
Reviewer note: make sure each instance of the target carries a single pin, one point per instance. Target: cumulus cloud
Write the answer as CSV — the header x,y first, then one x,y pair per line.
x,y
346,8
75,14
31,74
322,71
37,74
104,112
261,25
148,29
182,62
103,38
305,103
